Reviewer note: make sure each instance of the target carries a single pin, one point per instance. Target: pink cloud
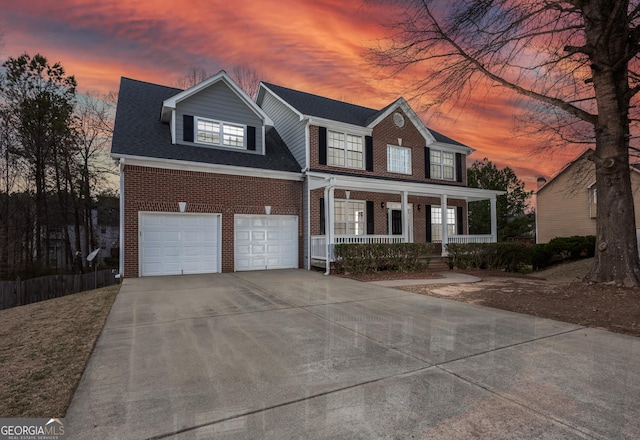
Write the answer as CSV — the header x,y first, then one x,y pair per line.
x,y
316,46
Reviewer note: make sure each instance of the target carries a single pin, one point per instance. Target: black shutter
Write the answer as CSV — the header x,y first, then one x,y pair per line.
x,y
322,223
187,128
322,145
368,152
251,138
458,167
427,209
427,163
370,217
459,221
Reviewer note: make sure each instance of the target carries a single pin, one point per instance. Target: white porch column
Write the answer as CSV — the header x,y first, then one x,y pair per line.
x,y
445,235
405,216
328,224
494,219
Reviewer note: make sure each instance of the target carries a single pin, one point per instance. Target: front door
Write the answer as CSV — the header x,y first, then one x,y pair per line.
x,y
394,220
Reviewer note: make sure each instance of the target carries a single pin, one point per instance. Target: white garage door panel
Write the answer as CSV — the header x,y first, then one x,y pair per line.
x,y
176,244
266,242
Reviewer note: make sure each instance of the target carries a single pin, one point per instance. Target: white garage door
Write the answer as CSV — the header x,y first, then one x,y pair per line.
x,y
266,242
179,244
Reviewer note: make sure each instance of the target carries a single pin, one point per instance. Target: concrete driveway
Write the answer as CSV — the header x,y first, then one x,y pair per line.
x,y
294,354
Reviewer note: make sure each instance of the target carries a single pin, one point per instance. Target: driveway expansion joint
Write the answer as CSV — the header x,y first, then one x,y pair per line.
x,y
284,404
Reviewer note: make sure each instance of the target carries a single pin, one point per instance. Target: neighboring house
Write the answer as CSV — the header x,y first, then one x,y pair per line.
x,y
104,233
212,181
567,204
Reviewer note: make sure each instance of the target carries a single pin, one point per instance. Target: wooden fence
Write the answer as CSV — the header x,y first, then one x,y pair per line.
x,y
19,293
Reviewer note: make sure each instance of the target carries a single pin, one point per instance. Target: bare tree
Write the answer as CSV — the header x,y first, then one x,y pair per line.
x,y
41,98
94,117
248,79
577,60
194,75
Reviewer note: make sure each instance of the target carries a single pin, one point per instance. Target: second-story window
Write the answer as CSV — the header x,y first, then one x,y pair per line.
x,y
442,165
219,133
398,159
344,150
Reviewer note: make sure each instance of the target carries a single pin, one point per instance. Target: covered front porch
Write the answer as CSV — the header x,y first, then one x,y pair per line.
x,y
359,210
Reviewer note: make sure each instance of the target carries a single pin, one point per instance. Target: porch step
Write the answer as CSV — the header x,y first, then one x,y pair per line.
x,y
439,263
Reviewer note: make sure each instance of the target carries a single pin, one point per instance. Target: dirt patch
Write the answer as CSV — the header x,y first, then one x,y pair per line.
x,y
593,305
555,293
44,348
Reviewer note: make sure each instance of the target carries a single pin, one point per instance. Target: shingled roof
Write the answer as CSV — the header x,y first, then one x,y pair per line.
x,y
139,132
326,108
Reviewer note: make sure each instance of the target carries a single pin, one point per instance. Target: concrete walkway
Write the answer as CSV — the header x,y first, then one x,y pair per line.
x,y
446,278
294,354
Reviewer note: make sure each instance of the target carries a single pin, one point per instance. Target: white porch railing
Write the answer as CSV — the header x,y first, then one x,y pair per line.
x,y
464,239
319,242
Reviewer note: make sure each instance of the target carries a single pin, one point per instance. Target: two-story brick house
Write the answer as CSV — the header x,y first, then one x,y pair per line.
x,y
212,181
373,175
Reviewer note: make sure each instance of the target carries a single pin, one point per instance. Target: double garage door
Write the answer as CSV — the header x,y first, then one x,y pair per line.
x,y
180,244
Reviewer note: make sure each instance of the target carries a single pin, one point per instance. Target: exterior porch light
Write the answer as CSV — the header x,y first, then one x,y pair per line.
x,y
382,205
182,206
418,207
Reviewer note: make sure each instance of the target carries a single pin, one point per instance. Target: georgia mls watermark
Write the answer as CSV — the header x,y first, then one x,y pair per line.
x,y
32,429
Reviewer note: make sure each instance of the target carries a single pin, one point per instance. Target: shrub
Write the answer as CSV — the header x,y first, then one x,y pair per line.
x,y
510,257
515,256
361,258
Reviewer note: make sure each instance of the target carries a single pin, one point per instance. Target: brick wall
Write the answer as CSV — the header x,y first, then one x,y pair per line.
x,y
157,189
386,133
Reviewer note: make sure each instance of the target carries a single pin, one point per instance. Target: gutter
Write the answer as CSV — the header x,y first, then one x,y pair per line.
x,y
121,252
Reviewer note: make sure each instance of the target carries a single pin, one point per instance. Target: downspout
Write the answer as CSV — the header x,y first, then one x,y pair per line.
x,y
328,223
121,252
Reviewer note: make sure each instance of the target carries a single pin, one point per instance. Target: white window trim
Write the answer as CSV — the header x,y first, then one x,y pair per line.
x,y
345,149
389,146
221,124
442,165
347,222
454,224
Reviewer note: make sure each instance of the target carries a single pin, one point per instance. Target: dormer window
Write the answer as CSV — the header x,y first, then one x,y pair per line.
x,y
213,132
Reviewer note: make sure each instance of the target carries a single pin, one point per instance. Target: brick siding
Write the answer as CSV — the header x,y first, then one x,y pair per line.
x,y
386,133
160,190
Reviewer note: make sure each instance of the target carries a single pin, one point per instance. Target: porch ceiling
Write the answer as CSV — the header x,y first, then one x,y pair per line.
x,y
321,180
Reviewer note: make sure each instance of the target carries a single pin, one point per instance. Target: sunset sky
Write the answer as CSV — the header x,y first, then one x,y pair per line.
x,y
317,46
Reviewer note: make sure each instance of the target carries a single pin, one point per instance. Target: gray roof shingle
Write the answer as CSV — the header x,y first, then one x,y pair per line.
x,y
138,131
319,106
